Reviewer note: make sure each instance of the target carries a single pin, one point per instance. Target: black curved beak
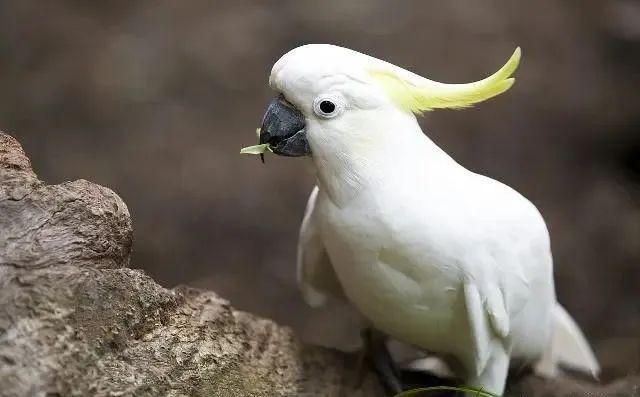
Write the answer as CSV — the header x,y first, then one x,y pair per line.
x,y
283,129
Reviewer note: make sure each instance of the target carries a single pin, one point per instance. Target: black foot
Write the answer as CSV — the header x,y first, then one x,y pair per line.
x,y
382,362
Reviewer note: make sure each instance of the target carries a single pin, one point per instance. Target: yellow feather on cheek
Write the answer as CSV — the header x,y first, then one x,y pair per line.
x,y
417,94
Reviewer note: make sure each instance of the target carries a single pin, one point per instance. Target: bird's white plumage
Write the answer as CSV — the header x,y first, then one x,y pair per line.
x,y
430,253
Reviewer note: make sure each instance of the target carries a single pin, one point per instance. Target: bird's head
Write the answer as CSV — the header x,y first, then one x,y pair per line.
x,y
331,97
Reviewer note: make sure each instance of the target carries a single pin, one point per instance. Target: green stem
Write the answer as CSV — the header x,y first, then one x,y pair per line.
x,y
416,392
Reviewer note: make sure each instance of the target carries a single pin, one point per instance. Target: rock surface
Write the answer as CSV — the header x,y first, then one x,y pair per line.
x,y
76,321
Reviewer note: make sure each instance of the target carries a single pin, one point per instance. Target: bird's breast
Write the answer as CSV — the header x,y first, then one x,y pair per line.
x,y
389,277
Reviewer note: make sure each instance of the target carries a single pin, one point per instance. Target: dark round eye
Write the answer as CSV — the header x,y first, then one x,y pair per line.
x,y
327,107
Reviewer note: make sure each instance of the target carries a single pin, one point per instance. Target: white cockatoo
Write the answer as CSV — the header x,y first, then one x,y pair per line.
x,y
428,252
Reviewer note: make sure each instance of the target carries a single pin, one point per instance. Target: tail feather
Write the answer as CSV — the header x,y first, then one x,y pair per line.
x,y
568,347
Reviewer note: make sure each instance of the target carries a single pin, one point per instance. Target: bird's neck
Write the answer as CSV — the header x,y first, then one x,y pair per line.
x,y
395,151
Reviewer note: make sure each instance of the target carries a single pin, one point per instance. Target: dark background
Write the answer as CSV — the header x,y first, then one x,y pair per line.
x,y
154,99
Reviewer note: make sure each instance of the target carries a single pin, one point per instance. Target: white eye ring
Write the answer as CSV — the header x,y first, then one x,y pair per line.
x,y
328,106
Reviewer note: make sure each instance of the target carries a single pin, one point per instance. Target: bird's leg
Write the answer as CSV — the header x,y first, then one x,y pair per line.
x,y
388,374
360,362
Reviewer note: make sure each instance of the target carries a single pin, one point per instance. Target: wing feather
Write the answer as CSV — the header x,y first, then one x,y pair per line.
x,y
316,278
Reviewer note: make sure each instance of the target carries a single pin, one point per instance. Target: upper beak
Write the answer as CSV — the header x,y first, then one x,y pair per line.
x,y
283,129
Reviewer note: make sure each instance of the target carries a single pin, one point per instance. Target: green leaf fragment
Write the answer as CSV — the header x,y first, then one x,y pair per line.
x,y
256,149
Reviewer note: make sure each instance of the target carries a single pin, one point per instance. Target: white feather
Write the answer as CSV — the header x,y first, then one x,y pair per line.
x,y
568,347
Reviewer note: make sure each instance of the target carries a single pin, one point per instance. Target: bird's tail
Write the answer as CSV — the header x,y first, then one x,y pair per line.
x,y
568,347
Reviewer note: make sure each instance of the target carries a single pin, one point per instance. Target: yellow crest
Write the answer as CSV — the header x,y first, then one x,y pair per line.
x,y
417,94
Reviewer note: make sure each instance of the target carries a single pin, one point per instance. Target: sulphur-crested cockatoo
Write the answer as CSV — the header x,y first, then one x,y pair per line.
x,y
428,252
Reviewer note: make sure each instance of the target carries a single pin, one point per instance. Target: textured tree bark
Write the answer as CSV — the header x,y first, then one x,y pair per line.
x,y
76,321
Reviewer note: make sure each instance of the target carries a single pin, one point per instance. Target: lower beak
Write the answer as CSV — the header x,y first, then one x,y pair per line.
x,y
283,129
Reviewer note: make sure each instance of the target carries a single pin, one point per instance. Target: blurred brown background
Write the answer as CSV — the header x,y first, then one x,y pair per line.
x,y
155,98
